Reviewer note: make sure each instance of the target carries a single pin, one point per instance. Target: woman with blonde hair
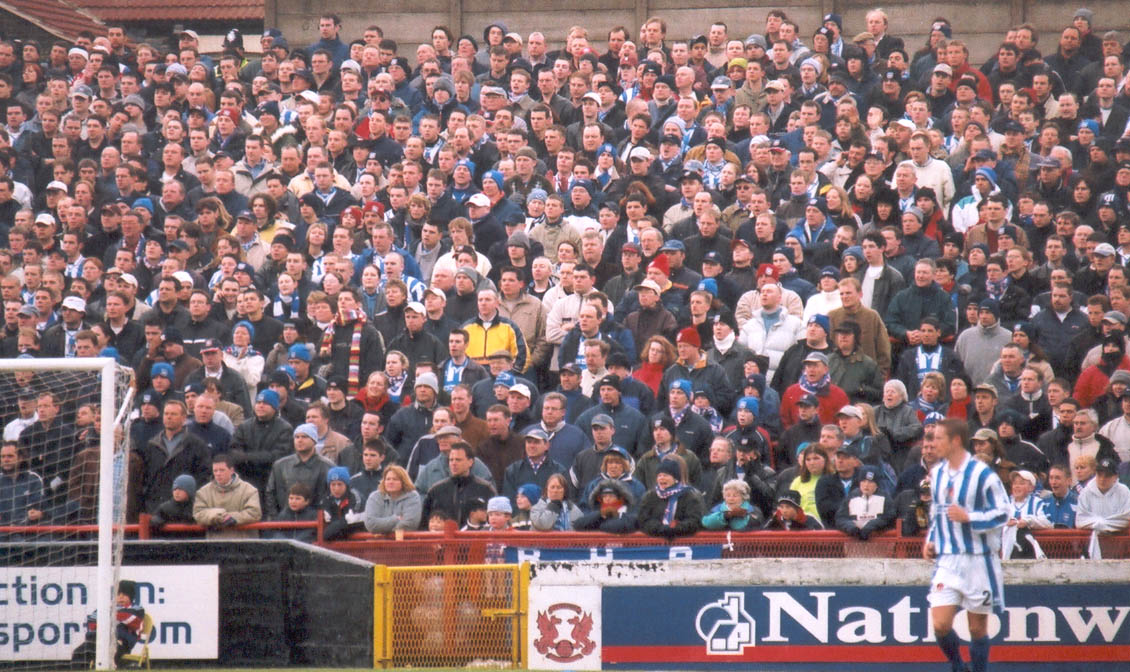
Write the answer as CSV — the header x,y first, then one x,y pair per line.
x,y
395,504
840,210
657,354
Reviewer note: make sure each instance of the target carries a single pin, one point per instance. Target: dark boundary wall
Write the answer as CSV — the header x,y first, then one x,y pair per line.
x,y
281,602
980,23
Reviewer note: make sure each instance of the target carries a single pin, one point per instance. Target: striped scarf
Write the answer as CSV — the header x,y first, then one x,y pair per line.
x,y
345,318
671,494
288,307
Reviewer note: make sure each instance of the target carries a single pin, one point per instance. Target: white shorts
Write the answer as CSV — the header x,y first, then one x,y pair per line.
x,y
973,582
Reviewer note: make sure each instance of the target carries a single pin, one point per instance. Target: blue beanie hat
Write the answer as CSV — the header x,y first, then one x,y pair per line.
x,y
337,474
269,397
495,176
299,351
530,491
751,404
187,483
161,369
823,321
536,195
682,384
248,325
987,173
709,285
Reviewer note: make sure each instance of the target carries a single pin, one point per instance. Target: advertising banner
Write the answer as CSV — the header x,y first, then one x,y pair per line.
x,y
1074,627
43,610
519,554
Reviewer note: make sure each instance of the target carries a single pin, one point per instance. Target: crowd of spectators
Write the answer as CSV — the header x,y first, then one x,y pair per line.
x,y
633,283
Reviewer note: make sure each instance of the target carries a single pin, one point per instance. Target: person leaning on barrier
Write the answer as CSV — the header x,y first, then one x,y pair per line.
x,y
734,512
226,501
672,508
612,506
395,505
866,511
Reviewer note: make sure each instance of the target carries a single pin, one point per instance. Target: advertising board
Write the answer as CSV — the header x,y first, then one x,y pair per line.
x,y
44,610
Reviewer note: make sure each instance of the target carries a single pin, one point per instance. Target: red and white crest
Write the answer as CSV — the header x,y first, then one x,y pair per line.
x,y
550,642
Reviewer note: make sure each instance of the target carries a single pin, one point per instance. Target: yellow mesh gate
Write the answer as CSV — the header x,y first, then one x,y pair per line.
x,y
450,616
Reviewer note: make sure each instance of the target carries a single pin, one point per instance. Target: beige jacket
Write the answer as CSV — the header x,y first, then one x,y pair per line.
x,y
239,498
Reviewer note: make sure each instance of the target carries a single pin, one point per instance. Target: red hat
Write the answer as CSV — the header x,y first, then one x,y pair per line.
x,y
768,271
354,212
374,206
689,335
230,114
661,264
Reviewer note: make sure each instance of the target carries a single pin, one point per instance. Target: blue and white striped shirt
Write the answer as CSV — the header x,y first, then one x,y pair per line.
x,y
977,488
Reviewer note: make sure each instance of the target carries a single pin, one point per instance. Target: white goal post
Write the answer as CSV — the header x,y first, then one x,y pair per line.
x,y
109,512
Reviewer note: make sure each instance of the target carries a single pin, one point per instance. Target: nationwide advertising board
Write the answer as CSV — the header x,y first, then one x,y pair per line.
x,y
43,610
718,627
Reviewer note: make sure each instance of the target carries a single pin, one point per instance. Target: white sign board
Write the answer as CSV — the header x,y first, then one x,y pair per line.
x,y
43,610
564,628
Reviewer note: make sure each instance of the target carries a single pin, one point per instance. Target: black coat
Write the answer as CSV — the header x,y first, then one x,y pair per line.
x,y
159,469
256,445
372,355
688,514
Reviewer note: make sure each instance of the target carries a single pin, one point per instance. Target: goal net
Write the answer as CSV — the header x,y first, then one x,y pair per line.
x,y
65,465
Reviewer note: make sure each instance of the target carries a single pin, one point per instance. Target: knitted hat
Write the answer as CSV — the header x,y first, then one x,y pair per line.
x,y
499,505
661,264
268,397
824,323
665,421
308,430
247,325
991,305
161,370
681,384
690,336
186,483
337,474
671,468
530,491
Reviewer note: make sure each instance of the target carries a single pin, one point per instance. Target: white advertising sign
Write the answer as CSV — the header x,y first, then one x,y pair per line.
x,y
43,610
564,628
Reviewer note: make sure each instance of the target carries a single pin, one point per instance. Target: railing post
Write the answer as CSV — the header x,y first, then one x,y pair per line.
x,y
320,528
144,531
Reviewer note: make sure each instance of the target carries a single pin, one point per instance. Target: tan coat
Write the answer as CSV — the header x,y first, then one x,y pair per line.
x,y
240,499
873,339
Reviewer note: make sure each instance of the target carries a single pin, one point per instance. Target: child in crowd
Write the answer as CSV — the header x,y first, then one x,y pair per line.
x,y
297,509
178,509
340,508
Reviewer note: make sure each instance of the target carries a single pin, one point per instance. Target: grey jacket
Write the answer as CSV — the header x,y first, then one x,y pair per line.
x,y
543,517
384,514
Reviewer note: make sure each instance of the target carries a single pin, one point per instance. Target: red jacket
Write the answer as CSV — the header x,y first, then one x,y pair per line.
x,y
1092,383
830,404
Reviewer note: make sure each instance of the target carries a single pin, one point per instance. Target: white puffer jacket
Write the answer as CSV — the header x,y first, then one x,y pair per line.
x,y
772,342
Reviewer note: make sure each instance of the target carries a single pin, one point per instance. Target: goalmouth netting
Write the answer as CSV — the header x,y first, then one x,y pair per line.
x,y
64,467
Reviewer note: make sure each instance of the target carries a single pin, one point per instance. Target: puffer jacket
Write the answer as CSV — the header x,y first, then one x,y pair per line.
x,y
772,342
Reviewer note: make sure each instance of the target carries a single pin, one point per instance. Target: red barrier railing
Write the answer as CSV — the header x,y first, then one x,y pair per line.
x,y
452,547
145,530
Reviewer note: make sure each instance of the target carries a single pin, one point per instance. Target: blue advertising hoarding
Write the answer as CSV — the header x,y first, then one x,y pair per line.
x,y
1080,627
519,554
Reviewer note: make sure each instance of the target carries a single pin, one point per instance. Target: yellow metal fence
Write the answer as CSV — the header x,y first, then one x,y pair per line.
x,y
449,616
